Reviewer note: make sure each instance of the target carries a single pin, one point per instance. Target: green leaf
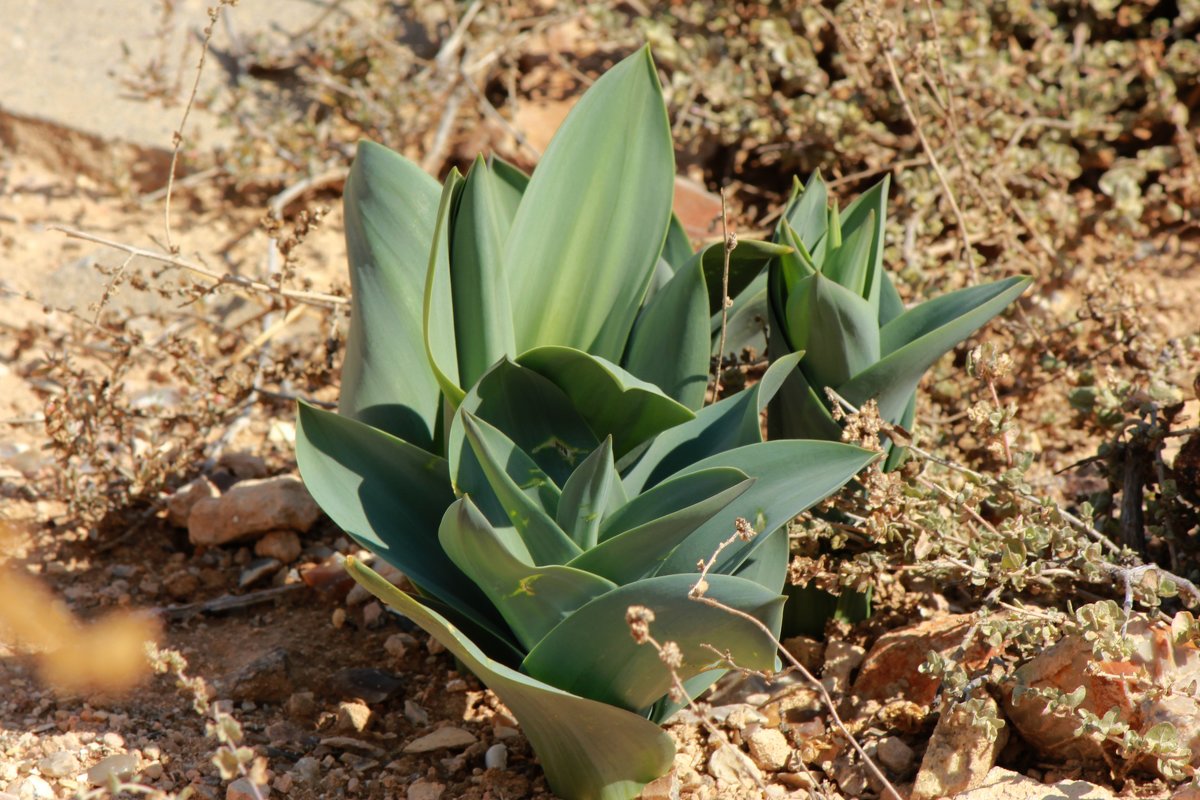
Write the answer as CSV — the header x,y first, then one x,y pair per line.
x,y
746,322
807,214
838,329
768,564
677,249
619,671
746,262
850,265
438,311
628,554
594,216
669,344
389,496
919,337
796,411
528,497
869,213
613,402
390,209
532,599
588,496
589,750
722,426
483,326
533,412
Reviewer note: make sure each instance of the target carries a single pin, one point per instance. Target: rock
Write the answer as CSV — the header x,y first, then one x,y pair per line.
x,y
179,504
1003,784
35,788
152,771
398,644
364,683
266,679
353,716
698,209
244,465
893,753
808,652
732,769
496,757
505,732
182,585
282,545
959,756
243,789
257,570
841,659
357,745
251,508
890,672
425,790
372,614
306,770
302,706
61,764
769,748
447,738
664,788
416,714
120,766
1070,664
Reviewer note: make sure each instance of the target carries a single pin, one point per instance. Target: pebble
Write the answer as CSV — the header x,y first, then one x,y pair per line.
x,y
119,766
398,644
425,790
731,768
266,679
179,505
363,683
257,570
415,714
372,612
302,705
769,748
894,754
114,740
61,764
447,738
496,757
243,789
504,732
282,545
307,770
959,755
353,716
153,771
34,788
252,508
664,788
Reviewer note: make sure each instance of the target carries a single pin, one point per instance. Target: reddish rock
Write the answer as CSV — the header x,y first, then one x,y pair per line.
x,y
698,209
252,508
890,671
180,504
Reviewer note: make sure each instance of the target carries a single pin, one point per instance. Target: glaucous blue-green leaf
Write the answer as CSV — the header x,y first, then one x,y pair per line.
x,y
533,412
724,425
524,503
745,322
390,497
849,265
438,311
890,304
390,209
677,249
669,344
593,219
589,750
483,326
791,476
619,671
637,552
746,262
695,686
593,491
892,379
673,494
796,411
869,211
806,213
532,599
768,564
613,402
838,330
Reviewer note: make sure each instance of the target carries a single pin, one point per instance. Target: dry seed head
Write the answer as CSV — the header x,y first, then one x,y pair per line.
x,y
745,531
638,618
671,655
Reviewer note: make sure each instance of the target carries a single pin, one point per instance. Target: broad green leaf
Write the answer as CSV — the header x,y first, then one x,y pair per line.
x,y
483,326
807,212
529,503
796,412
695,686
768,564
637,552
677,249
791,476
892,380
511,185
890,304
588,496
669,344
533,412
390,209
594,217
438,312
849,265
724,425
838,329
746,262
589,750
389,496
619,671
746,321
896,454
869,212
532,599
668,497
613,402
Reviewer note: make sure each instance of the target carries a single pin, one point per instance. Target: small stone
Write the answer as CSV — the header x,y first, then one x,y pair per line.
x,y
425,790
283,784
243,789
282,545
496,757
959,756
504,733
841,659
61,764
894,754
34,788
338,619
179,504
113,740
307,770
664,788
302,705
152,771
266,679
244,465
456,685
181,584
398,644
357,745
732,769
257,570
353,716
415,714
119,766
372,613
769,748
447,738
372,686
252,508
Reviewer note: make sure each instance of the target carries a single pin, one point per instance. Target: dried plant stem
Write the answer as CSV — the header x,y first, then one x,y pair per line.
x,y
312,298
730,240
